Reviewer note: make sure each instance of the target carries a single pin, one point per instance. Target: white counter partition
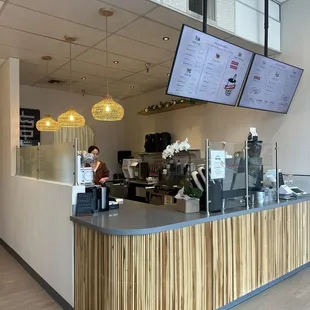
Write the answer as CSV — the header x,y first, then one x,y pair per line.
x,y
38,229
42,203
35,213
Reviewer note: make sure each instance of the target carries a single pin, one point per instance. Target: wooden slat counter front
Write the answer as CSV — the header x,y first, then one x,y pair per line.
x,y
142,257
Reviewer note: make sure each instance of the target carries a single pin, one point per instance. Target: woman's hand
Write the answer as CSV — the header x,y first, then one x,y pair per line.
x,y
103,180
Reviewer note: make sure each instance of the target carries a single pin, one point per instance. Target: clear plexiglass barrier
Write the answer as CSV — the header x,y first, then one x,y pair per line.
x,y
297,180
227,175
47,162
240,175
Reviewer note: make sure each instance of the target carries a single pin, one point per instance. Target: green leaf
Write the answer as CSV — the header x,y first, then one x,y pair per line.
x,y
192,191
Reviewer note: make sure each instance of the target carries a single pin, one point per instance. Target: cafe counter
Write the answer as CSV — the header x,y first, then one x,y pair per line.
x,y
150,257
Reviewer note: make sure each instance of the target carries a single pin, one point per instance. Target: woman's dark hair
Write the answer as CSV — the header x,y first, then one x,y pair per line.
x,y
92,148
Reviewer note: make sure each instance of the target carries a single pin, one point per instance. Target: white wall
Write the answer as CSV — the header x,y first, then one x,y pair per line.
x,y
108,135
34,215
9,124
220,123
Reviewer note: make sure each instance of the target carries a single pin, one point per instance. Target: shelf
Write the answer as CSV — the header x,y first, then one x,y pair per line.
x,y
172,108
159,153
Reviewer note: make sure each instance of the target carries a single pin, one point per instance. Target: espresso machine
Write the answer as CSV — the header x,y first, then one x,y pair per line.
x,y
141,171
128,167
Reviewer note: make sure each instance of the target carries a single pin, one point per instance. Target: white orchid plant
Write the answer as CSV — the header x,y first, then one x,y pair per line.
x,y
174,148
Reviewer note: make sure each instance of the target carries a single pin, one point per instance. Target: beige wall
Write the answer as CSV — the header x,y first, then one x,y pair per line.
x,y
108,135
220,123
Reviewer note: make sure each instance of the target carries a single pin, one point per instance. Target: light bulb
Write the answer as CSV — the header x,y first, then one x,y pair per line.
x,y
71,118
48,123
107,109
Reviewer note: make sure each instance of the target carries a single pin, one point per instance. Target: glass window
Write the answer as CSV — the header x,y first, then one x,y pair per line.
x,y
196,6
259,5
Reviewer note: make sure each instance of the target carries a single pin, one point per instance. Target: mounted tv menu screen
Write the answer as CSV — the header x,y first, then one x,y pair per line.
x,y
270,86
208,68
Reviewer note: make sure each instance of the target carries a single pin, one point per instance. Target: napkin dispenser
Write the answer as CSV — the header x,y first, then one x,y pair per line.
x,y
100,198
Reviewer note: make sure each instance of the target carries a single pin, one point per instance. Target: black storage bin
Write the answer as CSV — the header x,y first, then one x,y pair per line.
x,y
149,144
165,140
157,142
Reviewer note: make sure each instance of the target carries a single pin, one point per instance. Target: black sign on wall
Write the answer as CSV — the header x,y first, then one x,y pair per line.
x,y
29,134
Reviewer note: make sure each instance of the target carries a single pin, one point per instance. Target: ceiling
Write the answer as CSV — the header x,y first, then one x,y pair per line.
x,y
30,29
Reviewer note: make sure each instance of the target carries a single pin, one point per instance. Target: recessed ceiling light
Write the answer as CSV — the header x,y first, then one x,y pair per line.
x,y
116,61
166,38
132,86
83,78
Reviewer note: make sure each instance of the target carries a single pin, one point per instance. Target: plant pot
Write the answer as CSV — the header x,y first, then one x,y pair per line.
x,y
187,206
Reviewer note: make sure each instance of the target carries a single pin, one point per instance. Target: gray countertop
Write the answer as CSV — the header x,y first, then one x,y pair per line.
x,y
135,218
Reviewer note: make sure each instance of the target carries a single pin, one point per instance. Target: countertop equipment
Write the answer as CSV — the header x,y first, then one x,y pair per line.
x,y
85,175
128,167
287,192
100,198
141,170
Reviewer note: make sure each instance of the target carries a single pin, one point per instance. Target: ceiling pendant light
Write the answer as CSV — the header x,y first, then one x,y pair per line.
x,y
107,109
71,118
47,123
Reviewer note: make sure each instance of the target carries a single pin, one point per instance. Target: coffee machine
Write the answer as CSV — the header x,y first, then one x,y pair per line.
x,y
141,171
128,167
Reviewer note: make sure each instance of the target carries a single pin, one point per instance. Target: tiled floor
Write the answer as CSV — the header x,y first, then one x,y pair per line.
x,y
18,290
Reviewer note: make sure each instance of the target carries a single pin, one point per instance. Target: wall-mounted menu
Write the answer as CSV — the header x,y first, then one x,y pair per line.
x,y
270,86
208,68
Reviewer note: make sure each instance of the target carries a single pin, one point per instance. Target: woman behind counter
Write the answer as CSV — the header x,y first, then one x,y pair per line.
x,y
101,172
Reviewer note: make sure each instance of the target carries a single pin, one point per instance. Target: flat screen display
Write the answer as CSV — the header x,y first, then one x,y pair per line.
x,y
207,68
270,86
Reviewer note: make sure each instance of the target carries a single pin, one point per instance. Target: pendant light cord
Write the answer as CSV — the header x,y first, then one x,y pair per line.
x,y
46,68
106,49
70,65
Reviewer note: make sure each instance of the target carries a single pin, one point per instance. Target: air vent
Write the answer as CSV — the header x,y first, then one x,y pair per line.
x,y
54,81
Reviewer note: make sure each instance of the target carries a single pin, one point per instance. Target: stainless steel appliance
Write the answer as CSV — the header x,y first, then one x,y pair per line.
x,y
141,171
128,167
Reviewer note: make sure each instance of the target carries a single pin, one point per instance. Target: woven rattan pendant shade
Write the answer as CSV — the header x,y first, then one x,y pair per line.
x,y
47,123
71,119
107,110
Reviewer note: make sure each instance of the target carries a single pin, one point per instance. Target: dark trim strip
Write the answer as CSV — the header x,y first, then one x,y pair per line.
x,y
263,288
57,297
